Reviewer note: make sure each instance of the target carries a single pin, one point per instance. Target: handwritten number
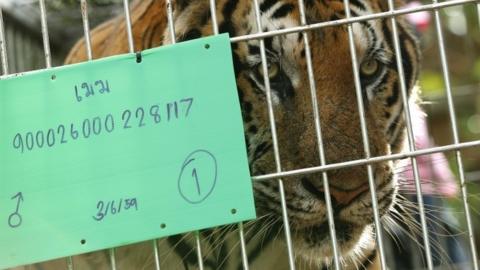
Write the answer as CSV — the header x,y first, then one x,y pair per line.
x,y
86,128
140,113
188,102
154,112
109,123
73,132
134,203
61,133
18,142
99,215
195,176
29,140
40,139
126,117
112,208
97,125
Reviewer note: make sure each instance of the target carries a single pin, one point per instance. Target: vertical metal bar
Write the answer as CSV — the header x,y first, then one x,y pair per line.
x,y
243,246
271,115
156,256
318,130
213,12
3,45
113,262
46,40
478,13
366,144
86,28
456,140
128,21
411,137
171,23
70,263
199,250
171,28
48,63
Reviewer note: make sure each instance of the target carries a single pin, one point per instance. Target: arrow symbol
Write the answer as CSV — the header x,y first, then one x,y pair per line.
x,y
19,196
15,219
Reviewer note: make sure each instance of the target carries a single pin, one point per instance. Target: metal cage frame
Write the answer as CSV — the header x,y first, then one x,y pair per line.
x,y
304,28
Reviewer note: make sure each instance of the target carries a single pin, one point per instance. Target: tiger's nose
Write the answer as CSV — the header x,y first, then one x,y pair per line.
x,y
340,196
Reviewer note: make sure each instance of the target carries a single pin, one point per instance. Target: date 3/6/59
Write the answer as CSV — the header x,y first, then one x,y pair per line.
x,y
130,118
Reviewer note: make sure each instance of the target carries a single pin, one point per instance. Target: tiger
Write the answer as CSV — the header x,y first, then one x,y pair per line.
x,y
294,118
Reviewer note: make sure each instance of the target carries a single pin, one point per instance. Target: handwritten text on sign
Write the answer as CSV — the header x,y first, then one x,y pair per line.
x,y
113,151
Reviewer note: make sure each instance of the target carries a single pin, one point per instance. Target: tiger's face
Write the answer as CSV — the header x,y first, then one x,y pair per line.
x,y
339,115
292,105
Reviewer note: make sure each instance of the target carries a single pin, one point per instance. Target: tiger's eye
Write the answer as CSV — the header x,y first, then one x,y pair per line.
x,y
273,69
369,67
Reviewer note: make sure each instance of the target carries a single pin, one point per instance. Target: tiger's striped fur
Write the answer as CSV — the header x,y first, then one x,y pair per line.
x,y
296,130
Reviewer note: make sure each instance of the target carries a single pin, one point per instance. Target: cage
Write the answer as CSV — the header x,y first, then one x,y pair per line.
x,y
19,45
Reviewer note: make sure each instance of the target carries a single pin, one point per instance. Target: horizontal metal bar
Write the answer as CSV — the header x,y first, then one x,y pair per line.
x,y
360,162
379,15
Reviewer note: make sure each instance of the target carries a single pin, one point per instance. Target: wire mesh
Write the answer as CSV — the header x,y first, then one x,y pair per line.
x,y
412,153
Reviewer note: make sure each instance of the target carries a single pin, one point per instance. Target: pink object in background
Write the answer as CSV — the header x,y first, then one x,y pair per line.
x,y
435,174
420,19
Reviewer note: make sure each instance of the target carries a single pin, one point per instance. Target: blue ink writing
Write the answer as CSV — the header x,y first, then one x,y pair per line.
x,y
86,90
15,219
139,117
114,207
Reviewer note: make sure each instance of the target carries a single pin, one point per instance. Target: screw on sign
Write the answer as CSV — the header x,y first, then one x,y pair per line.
x,y
198,176
15,219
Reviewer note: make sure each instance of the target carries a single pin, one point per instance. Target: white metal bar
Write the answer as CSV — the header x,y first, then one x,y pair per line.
x,y
213,12
366,144
86,28
155,254
374,16
128,21
48,63
113,261
70,263
243,246
171,23
199,250
318,130
371,160
411,137
456,140
3,45
171,28
273,128
46,39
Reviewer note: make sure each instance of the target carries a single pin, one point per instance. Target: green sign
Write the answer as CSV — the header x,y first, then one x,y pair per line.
x,y
121,150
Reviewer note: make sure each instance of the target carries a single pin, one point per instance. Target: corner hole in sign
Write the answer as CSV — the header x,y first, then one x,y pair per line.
x,y
139,57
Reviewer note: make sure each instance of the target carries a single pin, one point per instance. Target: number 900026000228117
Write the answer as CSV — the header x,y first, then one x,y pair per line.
x,y
130,118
